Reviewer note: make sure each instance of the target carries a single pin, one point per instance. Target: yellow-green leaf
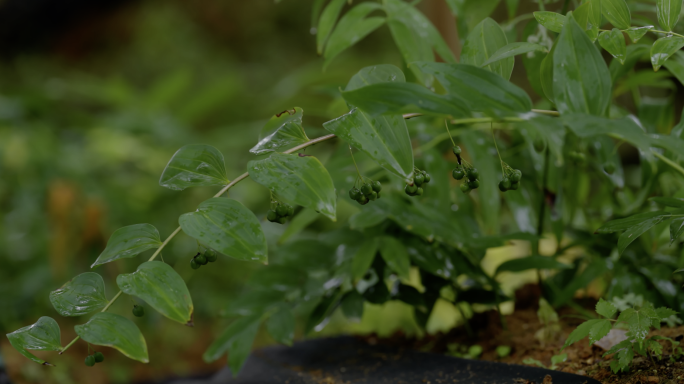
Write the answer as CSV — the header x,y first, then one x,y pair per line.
x,y
116,331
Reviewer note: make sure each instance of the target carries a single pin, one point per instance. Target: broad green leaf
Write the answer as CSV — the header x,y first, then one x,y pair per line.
x,y
364,257
316,9
395,255
82,294
228,227
631,221
605,309
599,330
326,23
588,16
546,73
631,234
284,130
513,49
352,305
116,331
318,319
668,13
581,81
534,33
281,325
676,68
580,332
531,262
367,218
638,323
375,74
236,340
551,20
478,88
353,27
162,288
194,165
617,13
482,42
302,220
614,42
663,48
676,229
663,313
301,180
44,335
673,202
636,33
128,242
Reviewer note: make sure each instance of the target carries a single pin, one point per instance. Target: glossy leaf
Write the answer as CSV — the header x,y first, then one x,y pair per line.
x,y
668,13
194,165
636,33
482,42
363,258
111,330
605,309
281,326
162,288
531,262
588,17
353,27
513,49
617,13
284,130
551,20
614,42
676,229
128,242
631,234
228,227
236,340
83,294
44,335
301,180
395,255
663,48
581,81
326,22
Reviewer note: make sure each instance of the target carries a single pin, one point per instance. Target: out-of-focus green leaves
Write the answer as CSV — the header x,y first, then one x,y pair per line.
x,y
228,227
128,242
162,288
83,294
551,20
482,43
352,306
194,165
663,48
44,335
617,13
281,325
116,331
395,255
236,340
636,33
546,73
668,13
513,49
353,26
363,258
326,23
628,222
614,42
531,262
284,130
318,318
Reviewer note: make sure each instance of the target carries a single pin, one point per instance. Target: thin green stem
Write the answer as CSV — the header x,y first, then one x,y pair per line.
x,y
546,112
669,162
355,165
446,125
501,162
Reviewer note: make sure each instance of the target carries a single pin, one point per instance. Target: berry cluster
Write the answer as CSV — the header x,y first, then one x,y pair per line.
x,y
138,310
200,259
96,357
416,187
368,192
280,214
511,179
465,169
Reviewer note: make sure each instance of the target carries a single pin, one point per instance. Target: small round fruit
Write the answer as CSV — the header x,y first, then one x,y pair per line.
x,y
366,189
211,255
473,174
506,182
411,189
281,210
419,179
609,168
377,187
427,177
272,216
194,264
354,193
373,196
378,194
139,311
363,200
458,174
465,188
539,145
457,150
90,361
515,186
282,220
515,176
201,260
502,187
290,210
474,184
99,357
419,192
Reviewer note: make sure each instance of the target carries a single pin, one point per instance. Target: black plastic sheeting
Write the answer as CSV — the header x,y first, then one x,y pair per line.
x,y
346,360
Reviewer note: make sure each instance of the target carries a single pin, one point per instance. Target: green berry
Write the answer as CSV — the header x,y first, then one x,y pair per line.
x,y
373,196
363,200
458,174
457,150
427,177
272,216
201,260
609,168
474,184
515,176
282,220
378,194
139,311
99,357
465,188
419,192
539,145
290,210
419,179
90,361
411,189
502,186
194,264
515,186
473,174
211,255
366,189
377,187
281,210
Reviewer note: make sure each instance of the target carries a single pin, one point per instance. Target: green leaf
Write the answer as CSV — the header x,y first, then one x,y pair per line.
x,y
482,42
395,255
194,165
352,306
162,288
228,227
636,33
531,262
614,42
663,313
605,309
551,129
673,202
631,221
588,17
663,48
318,319
638,323
581,81
617,13
284,130
580,332
367,218
677,69
110,330
303,219
546,73
281,325
83,294
599,330
375,74
301,180
551,20
236,340
668,13
128,242
364,257
513,49
326,23
44,335
353,27
631,234
676,229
